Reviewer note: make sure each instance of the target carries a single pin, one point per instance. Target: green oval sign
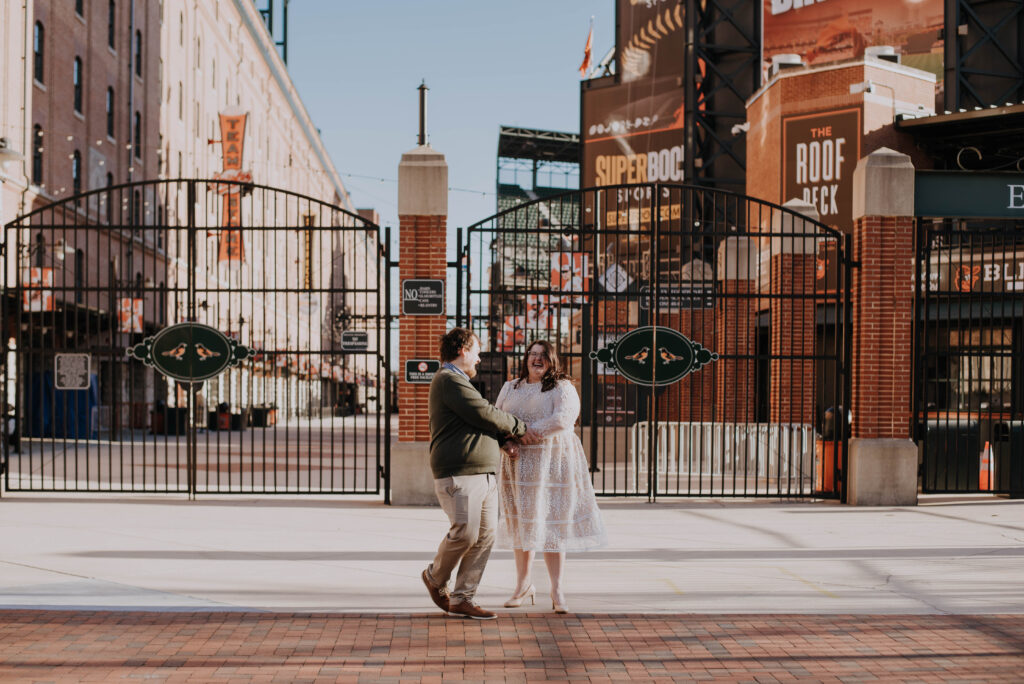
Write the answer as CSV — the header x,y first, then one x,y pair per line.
x,y
654,355
190,352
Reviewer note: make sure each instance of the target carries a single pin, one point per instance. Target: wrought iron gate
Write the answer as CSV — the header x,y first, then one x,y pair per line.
x,y
299,280
762,287
969,389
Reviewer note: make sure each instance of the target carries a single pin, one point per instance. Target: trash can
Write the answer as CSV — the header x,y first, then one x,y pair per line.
x,y
828,451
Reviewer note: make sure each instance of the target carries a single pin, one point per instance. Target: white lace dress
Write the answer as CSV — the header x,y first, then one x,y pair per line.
x,y
547,499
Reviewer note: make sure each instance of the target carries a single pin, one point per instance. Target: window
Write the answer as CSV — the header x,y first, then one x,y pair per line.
x,y
137,138
138,54
199,52
38,43
76,173
111,13
110,112
181,102
79,7
137,215
37,154
181,29
76,76
40,249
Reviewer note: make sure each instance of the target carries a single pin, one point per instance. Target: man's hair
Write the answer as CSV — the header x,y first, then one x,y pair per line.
x,y
454,341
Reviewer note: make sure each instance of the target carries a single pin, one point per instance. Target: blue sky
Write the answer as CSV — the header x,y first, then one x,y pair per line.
x,y
357,65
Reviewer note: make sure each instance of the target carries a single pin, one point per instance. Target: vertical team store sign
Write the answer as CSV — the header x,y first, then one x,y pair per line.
x,y
231,250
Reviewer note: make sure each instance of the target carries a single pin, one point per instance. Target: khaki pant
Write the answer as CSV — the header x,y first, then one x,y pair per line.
x,y
471,503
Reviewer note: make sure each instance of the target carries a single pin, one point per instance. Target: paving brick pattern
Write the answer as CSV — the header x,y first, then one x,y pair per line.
x,y
83,646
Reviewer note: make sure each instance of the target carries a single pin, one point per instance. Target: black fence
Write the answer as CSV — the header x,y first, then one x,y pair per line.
x,y
969,389
763,287
299,280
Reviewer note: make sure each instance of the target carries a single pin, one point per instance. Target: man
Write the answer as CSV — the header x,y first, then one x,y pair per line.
x,y
464,458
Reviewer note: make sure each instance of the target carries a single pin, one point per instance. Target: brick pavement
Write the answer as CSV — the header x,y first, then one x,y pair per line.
x,y
82,646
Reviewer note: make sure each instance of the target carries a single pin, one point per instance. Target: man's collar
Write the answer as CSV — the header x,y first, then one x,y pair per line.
x,y
452,367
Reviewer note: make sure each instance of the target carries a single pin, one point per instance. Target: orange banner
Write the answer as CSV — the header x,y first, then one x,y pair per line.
x,y
129,315
37,295
232,139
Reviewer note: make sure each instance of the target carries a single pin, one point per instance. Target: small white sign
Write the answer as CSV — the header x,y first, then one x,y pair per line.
x,y
71,371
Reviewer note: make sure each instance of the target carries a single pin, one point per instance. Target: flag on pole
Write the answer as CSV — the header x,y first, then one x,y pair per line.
x,y
586,51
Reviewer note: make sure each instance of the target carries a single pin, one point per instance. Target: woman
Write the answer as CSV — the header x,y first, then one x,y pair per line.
x,y
547,499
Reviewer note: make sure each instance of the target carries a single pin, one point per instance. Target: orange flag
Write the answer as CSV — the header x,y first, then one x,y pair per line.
x,y
586,52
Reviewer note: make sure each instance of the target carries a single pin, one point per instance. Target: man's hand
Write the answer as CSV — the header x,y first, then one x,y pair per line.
x,y
531,437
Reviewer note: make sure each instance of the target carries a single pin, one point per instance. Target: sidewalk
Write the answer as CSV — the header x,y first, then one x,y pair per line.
x,y
357,555
248,590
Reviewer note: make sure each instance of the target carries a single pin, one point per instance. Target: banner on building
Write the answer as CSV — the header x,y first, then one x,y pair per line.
x,y
129,315
633,124
819,154
570,275
968,270
231,250
825,32
37,296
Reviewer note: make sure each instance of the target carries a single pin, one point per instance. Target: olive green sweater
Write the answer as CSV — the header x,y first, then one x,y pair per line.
x,y
465,428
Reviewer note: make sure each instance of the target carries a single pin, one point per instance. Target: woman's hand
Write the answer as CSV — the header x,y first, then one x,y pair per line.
x,y
531,437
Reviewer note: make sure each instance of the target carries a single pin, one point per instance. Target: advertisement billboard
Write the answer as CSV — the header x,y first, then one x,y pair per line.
x,y
819,154
826,32
632,128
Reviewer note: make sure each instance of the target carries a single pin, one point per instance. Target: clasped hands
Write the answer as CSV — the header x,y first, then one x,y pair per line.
x,y
511,446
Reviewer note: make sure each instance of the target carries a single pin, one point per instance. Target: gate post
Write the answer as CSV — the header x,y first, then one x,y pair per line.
x,y
794,250
882,468
423,219
736,321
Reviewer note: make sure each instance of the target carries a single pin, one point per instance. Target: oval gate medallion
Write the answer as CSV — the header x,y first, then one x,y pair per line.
x,y
654,355
190,352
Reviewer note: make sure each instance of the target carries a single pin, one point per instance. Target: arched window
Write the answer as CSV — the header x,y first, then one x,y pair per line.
x,y
110,112
137,211
76,76
38,43
37,154
80,7
111,14
161,300
138,53
76,173
40,249
137,138
181,29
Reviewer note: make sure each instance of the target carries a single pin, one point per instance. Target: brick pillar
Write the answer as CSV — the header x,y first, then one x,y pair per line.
x,y
736,326
793,264
883,459
422,219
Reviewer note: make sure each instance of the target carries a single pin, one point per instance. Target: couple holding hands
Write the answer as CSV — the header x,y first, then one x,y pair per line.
x,y
544,493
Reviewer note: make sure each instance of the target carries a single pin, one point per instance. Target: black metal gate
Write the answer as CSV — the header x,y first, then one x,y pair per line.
x,y
757,284
299,280
969,389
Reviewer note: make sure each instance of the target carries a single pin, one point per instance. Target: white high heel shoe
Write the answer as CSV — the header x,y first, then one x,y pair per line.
x,y
559,604
518,599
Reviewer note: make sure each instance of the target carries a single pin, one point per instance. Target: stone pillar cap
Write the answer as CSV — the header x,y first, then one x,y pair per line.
x,y
423,183
883,185
785,223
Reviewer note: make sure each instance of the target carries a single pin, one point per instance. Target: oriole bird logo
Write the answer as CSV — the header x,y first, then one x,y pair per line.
x,y
205,353
667,356
177,352
640,356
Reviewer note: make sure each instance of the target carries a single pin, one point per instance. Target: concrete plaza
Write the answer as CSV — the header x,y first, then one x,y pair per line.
x,y
108,587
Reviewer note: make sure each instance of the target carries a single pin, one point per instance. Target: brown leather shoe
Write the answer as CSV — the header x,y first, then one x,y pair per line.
x,y
439,595
471,610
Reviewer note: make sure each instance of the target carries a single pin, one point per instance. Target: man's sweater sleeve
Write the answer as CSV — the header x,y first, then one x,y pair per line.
x,y
465,401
